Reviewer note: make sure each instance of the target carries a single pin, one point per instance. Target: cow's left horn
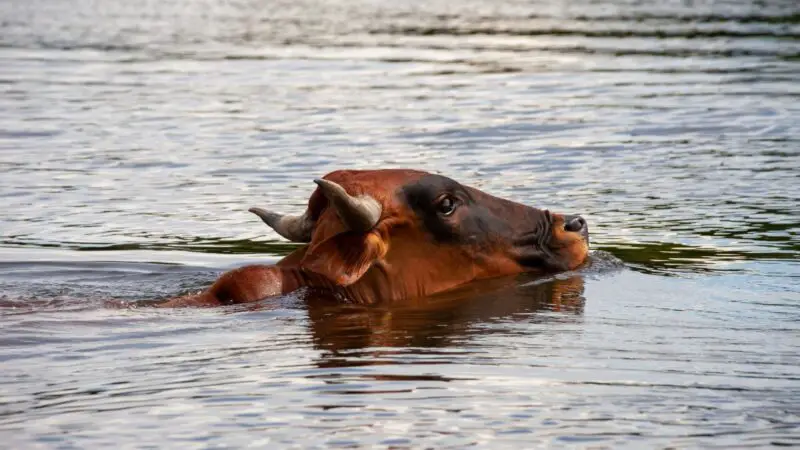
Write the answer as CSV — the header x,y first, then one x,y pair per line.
x,y
359,214
293,228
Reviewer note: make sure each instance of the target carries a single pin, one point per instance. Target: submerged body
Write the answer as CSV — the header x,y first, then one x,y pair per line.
x,y
384,235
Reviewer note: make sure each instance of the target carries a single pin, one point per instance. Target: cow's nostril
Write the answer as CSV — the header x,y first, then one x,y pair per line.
x,y
574,223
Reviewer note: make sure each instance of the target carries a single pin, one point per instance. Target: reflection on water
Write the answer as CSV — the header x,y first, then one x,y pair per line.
x,y
440,321
134,136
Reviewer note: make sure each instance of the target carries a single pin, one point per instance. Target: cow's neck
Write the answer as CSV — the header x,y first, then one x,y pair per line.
x,y
377,285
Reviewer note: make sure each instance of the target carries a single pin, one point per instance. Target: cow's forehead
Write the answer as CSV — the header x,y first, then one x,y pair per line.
x,y
431,185
381,184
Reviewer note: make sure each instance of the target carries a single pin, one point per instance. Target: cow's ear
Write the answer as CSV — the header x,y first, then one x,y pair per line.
x,y
345,257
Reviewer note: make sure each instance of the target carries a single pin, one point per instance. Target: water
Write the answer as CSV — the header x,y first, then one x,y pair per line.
x,y
134,136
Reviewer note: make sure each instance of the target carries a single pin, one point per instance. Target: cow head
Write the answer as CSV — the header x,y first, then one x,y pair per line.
x,y
404,233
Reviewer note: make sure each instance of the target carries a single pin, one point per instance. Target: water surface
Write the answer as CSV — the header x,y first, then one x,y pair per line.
x,y
134,136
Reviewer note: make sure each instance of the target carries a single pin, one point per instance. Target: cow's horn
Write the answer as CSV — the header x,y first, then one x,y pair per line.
x,y
359,214
293,228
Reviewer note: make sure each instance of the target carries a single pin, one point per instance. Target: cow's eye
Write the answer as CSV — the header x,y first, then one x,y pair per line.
x,y
446,205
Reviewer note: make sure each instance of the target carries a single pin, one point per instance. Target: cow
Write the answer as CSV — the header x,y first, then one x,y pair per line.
x,y
385,235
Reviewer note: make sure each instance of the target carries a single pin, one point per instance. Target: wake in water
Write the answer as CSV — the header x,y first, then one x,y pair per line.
x,y
600,262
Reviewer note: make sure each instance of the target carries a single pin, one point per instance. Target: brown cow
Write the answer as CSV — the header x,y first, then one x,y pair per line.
x,y
385,235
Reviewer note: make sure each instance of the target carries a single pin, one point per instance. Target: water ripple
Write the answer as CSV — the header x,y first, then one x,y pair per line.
x,y
134,136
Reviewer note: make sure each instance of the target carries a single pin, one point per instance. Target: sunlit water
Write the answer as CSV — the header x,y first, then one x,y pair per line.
x,y
134,135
